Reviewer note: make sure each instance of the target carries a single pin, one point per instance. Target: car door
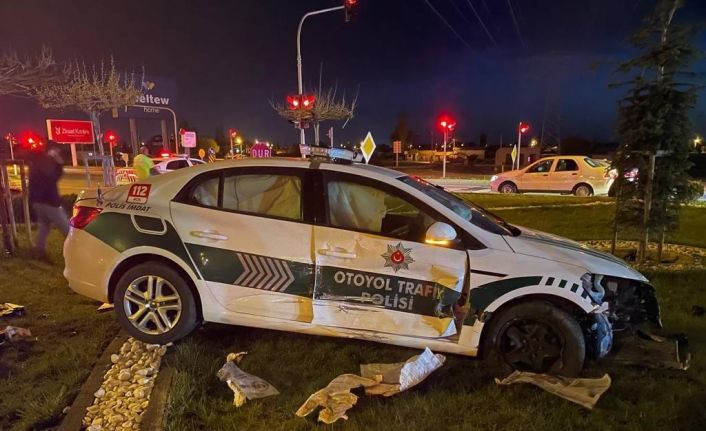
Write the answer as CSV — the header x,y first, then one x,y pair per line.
x,y
536,176
374,272
564,175
248,234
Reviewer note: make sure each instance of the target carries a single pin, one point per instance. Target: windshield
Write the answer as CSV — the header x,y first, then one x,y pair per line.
x,y
476,215
595,163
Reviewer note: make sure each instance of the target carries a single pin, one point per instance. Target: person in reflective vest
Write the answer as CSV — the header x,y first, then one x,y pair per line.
x,y
143,164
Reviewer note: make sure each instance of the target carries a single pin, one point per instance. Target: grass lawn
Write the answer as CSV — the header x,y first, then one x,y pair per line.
x,y
461,395
38,379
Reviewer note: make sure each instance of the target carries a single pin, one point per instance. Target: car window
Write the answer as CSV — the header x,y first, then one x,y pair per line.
x,y
541,166
595,163
197,162
565,165
263,194
177,164
205,193
364,208
464,209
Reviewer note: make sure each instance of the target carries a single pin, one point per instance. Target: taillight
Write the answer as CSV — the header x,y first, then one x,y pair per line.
x,y
82,216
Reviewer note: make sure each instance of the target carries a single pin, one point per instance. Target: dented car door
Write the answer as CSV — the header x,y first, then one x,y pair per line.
x,y
373,270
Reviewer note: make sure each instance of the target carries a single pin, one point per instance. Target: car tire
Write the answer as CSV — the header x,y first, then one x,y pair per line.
x,y
166,314
534,336
507,187
583,190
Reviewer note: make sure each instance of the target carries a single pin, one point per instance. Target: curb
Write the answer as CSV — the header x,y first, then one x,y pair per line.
x,y
74,418
154,417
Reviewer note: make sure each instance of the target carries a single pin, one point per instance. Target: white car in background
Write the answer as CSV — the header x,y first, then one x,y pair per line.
x,y
347,250
579,175
169,164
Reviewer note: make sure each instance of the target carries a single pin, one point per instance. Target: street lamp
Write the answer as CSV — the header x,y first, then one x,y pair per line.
x,y
447,125
347,6
521,129
697,141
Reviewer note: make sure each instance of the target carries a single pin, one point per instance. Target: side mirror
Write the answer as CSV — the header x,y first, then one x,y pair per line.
x,y
440,233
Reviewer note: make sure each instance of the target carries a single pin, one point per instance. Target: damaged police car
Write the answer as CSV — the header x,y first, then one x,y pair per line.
x,y
347,250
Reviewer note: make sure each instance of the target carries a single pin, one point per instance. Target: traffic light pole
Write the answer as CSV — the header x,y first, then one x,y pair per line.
x,y
519,143
443,169
302,137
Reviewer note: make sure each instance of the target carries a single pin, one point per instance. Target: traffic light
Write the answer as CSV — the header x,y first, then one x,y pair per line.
x,y
111,137
232,133
349,9
301,101
447,124
524,127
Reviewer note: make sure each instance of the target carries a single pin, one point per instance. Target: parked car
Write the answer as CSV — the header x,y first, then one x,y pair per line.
x,y
580,175
347,250
172,163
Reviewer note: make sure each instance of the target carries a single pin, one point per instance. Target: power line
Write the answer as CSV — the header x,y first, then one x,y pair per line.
x,y
463,16
480,20
517,26
441,17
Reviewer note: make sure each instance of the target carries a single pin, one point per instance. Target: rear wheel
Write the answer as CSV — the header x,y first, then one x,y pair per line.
x,y
583,190
507,187
535,336
154,304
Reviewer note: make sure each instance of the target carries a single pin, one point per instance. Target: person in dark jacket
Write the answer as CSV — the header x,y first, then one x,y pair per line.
x,y
44,173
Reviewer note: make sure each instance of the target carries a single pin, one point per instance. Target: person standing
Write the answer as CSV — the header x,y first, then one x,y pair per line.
x,y
143,164
45,170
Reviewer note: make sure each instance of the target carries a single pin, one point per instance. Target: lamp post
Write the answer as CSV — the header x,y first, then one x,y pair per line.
x,y
348,5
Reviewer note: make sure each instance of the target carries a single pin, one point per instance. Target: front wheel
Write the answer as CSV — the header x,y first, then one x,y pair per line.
x,y
154,303
535,336
507,188
583,190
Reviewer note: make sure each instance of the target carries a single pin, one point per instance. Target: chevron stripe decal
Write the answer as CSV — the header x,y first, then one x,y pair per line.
x,y
266,273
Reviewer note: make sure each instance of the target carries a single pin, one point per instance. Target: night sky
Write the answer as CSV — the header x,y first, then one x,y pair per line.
x,y
229,58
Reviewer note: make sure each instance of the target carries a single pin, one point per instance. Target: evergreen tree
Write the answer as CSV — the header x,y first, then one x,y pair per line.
x,y
653,123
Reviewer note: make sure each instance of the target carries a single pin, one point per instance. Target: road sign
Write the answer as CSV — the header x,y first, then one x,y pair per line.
x,y
188,139
513,154
70,131
202,153
260,150
397,147
367,148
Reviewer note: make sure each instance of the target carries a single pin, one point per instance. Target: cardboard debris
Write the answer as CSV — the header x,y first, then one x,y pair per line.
x,y
584,392
335,399
14,334
9,309
377,379
244,386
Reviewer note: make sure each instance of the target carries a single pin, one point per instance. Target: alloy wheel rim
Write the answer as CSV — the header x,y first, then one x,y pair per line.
x,y
152,305
582,191
507,188
530,345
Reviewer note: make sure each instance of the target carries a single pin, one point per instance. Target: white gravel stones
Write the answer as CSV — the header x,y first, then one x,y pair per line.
x,y
124,395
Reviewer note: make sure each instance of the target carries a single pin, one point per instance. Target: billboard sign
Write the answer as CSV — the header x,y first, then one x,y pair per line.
x,y
188,139
70,131
157,92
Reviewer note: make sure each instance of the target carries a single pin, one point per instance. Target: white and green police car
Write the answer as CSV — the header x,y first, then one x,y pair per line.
x,y
346,250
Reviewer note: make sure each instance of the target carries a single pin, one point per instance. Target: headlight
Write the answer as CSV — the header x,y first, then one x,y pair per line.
x,y
592,285
493,178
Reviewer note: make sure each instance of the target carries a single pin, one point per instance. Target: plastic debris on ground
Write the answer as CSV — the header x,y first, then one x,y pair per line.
x,y
14,334
9,309
105,307
377,379
244,386
644,349
584,392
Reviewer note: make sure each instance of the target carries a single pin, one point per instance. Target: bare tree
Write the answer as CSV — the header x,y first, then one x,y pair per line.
x,y
22,75
326,108
93,91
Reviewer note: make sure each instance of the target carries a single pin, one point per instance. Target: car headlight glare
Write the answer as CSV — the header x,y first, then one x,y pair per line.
x,y
493,178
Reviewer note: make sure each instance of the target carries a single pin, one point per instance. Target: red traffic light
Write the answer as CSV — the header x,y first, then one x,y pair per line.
x,y
111,137
447,124
300,101
31,141
524,127
349,8
232,133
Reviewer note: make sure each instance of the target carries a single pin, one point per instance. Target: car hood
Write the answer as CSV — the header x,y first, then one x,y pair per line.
x,y
509,174
547,246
